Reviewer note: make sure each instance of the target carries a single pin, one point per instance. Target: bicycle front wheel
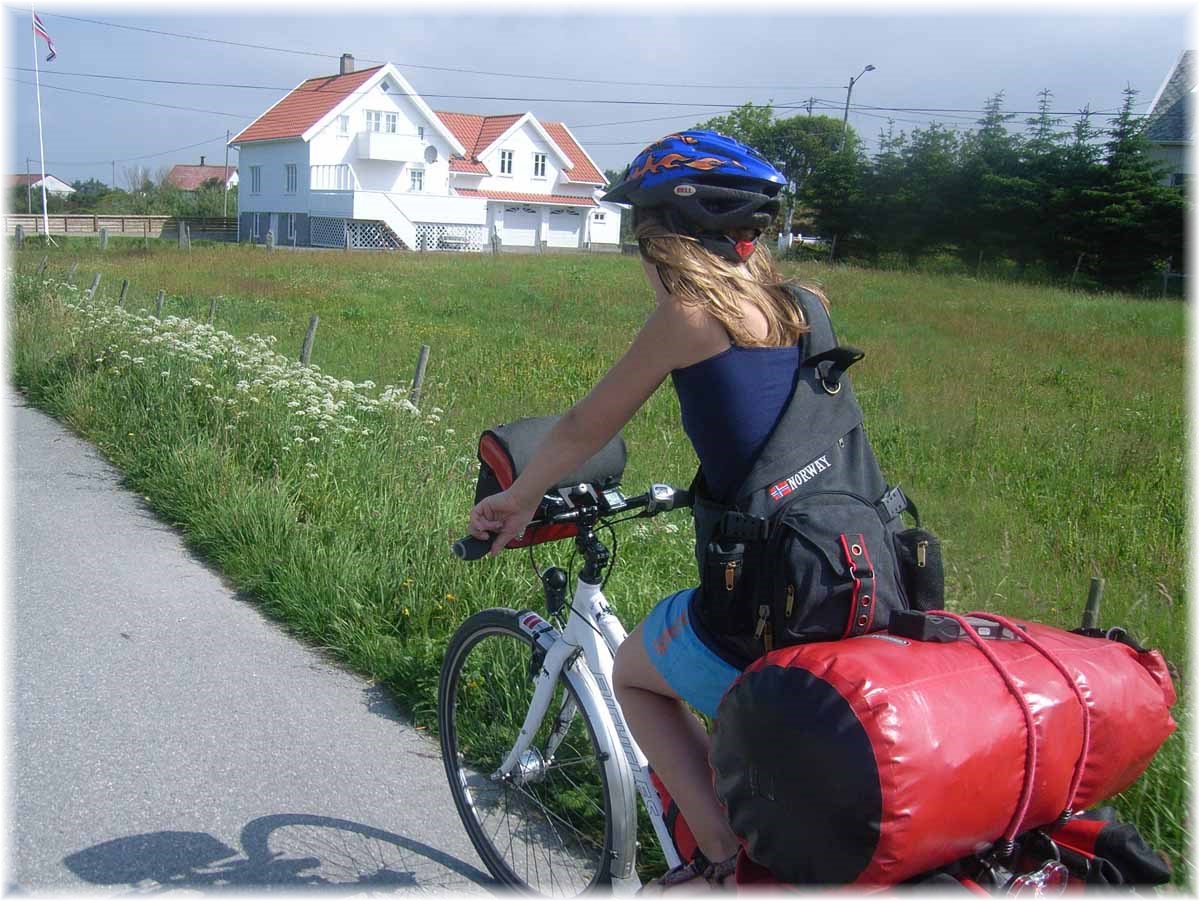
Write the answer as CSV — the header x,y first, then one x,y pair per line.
x,y
546,826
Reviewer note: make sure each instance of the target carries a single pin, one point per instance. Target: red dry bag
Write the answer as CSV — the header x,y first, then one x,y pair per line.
x,y
873,759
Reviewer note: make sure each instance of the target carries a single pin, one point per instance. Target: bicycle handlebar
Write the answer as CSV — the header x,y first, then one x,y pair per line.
x,y
659,499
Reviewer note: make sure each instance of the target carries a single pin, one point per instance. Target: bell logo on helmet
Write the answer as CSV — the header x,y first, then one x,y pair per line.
x,y
685,190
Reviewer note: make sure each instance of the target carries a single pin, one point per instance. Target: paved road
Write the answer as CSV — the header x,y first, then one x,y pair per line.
x,y
163,733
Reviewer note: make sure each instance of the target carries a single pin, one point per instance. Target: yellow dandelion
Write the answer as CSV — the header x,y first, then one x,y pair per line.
x,y
451,597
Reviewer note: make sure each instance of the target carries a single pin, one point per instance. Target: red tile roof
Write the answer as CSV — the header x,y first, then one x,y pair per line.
x,y
556,199
581,170
304,106
189,178
20,181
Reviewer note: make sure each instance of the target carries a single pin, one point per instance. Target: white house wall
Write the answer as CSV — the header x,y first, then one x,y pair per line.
x,y
273,157
524,143
328,147
607,230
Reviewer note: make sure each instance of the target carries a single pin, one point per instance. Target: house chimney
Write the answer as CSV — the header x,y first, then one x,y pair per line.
x,y
347,64
201,161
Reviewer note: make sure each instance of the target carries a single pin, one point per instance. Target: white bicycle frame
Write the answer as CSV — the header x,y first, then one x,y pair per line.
x,y
584,652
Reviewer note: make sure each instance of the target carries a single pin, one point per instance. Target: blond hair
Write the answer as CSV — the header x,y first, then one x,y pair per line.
x,y
697,276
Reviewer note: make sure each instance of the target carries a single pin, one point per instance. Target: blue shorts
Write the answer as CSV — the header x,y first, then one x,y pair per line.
x,y
694,671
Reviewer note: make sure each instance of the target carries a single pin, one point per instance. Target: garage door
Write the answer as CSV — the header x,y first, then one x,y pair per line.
x,y
564,228
520,226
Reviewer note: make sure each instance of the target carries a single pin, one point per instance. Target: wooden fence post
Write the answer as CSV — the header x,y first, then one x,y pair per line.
x,y
309,336
71,274
187,230
418,379
20,235
158,304
95,284
124,288
212,310
104,239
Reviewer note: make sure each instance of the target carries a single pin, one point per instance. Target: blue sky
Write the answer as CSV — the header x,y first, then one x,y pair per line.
x,y
926,57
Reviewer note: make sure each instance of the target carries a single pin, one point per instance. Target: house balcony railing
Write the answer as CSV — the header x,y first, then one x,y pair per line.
x,y
379,145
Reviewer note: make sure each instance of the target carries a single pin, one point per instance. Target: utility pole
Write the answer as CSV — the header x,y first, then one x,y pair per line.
x,y
225,208
846,112
809,105
28,186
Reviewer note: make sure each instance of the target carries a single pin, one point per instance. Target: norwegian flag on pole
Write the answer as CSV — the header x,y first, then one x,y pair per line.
x,y
40,30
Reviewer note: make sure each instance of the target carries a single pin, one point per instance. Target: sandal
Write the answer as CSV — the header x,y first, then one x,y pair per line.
x,y
698,870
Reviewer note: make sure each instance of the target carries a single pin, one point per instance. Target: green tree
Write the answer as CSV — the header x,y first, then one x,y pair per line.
x,y
1135,223
749,123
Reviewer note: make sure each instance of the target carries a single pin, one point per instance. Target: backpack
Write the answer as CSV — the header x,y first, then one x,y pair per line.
x,y
812,546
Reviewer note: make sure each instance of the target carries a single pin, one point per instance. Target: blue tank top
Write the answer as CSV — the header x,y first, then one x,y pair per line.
x,y
730,403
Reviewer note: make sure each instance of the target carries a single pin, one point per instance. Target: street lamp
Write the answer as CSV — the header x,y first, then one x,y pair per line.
x,y
846,112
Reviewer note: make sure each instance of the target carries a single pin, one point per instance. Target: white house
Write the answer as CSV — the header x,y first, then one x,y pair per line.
x,y
359,157
55,186
1169,122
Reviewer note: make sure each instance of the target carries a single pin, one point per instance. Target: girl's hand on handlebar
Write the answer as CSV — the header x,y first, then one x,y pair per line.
x,y
501,515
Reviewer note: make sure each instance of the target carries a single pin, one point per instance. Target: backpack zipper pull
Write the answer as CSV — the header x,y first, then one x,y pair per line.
x,y
791,599
921,547
764,613
730,574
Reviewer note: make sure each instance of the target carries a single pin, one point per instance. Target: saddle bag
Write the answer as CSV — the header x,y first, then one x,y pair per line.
x,y
505,451
871,760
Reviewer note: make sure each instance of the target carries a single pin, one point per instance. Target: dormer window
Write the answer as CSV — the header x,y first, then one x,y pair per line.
x,y
539,165
506,160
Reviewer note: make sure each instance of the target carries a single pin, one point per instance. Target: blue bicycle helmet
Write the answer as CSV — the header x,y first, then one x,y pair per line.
x,y
706,185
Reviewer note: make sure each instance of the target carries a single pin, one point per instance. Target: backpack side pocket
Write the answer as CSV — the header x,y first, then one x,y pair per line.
x,y
919,553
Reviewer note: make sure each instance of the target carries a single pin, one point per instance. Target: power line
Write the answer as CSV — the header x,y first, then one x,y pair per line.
x,y
457,69
190,109
129,159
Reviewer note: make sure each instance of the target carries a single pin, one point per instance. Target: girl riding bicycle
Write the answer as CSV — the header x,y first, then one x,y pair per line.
x,y
726,330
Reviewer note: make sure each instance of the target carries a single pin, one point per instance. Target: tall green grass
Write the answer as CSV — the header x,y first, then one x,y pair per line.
x,y
1040,432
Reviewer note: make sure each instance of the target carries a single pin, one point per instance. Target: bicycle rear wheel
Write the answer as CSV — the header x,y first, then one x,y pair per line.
x,y
547,826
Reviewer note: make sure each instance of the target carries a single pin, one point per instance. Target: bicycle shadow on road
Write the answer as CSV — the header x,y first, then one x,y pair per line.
x,y
293,851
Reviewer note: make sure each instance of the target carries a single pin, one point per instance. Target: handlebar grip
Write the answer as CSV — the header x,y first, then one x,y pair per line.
x,y
683,499
471,548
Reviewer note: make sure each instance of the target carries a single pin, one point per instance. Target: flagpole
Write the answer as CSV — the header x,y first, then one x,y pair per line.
x,y
41,146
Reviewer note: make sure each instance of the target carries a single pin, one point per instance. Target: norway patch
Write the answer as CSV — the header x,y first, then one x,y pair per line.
x,y
780,490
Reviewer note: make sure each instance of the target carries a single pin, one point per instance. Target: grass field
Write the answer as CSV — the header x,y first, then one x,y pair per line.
x,y
1040,432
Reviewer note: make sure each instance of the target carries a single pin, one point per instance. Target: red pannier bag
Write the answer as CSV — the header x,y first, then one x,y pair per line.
x,y
871,760
504,451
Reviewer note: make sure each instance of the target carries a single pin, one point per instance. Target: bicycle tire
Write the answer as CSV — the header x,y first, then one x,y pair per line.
x,y
479,720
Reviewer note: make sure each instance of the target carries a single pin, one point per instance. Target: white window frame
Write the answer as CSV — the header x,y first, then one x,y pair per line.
x,y
256,179
254,228
289,178
343,125
291,226
390,121
374,120
421,132
598,217
506,162
539,165
416,180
